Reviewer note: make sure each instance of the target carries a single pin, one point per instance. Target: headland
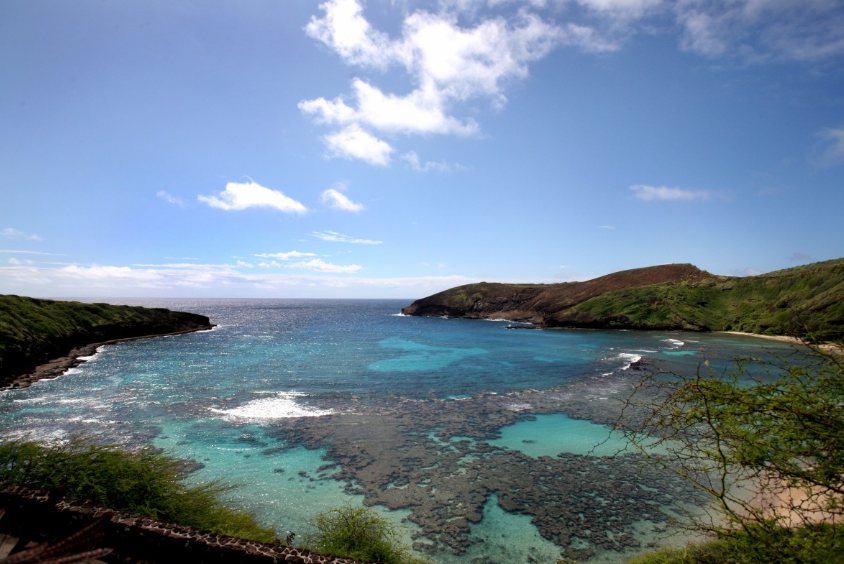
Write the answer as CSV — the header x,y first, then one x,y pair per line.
x,y
43,338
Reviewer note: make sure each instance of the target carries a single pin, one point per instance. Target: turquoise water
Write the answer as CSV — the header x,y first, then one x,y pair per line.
x,y
310,404
549,435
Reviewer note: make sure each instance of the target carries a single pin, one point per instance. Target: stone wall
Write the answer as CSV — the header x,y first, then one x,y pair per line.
x,y
35,516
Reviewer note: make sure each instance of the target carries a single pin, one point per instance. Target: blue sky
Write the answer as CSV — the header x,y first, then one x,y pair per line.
x,y
375,148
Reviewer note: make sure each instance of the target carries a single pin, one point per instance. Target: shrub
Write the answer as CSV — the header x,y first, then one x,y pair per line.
x,y
768,451
146,481
359,533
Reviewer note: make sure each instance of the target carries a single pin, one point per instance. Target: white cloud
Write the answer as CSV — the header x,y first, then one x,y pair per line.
x,y
240,196
285,256
664,193
758,30
748,30
413,159
607,226
319,265
12,233
326,280
167,197
629,8
185,265
418,112
339,201
344,29
316,265
334,237
833,147
15,261
355,143
448,64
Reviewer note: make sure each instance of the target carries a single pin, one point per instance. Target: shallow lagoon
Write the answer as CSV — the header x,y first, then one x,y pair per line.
x,y
551,434
453,428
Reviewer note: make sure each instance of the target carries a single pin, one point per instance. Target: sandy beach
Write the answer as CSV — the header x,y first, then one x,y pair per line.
x,y
830,348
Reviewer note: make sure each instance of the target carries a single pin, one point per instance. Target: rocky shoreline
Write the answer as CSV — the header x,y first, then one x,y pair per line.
x,y
42,338
57,366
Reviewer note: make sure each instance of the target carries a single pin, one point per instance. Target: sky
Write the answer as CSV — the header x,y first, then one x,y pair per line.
x,y
396,148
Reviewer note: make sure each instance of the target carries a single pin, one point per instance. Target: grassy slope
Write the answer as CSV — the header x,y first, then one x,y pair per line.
x,y
802,301
806,301
31,330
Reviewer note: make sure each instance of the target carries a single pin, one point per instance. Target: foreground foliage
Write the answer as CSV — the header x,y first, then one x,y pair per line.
x,y
359,533
768,451
146,481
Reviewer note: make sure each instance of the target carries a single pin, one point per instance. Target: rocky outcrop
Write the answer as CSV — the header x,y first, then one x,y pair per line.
x,y
52,334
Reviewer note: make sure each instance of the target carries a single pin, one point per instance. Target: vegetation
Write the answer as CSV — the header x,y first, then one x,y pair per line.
x,y
147,482
359,533
33,330
768,451
806,300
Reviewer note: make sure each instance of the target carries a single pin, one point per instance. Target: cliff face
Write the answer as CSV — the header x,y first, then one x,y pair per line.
x,y
33,331
806,301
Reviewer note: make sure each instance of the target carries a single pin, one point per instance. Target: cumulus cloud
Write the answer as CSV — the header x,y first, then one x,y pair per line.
x,y
240,196
355,143
169,198
664,193
446,62
454,54
417,112
15,234
334,237
416,164
334,198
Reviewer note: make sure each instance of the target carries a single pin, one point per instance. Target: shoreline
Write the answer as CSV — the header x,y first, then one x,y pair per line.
x,y
56,367
828,348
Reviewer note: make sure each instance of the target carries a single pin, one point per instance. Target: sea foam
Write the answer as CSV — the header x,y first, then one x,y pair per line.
x,y
282,406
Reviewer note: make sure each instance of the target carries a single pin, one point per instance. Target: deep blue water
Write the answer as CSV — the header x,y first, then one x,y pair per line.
x,y
215,396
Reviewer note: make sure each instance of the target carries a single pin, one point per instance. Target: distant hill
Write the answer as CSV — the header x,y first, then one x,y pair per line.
x,y
33,331
805,301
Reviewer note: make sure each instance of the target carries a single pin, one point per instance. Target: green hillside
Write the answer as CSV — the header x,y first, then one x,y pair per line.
x,y
806,301
33,330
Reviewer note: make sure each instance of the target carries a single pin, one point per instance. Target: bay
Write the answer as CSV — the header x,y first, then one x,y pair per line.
x,y
475,438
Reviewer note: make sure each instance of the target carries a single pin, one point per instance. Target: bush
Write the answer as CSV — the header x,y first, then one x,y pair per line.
x,y
768,451
146,481
359,533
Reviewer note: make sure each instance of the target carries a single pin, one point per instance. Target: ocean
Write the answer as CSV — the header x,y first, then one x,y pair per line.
x,y
484,443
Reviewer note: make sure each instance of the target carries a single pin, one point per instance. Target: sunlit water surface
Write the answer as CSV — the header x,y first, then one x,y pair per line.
x,y
220,398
